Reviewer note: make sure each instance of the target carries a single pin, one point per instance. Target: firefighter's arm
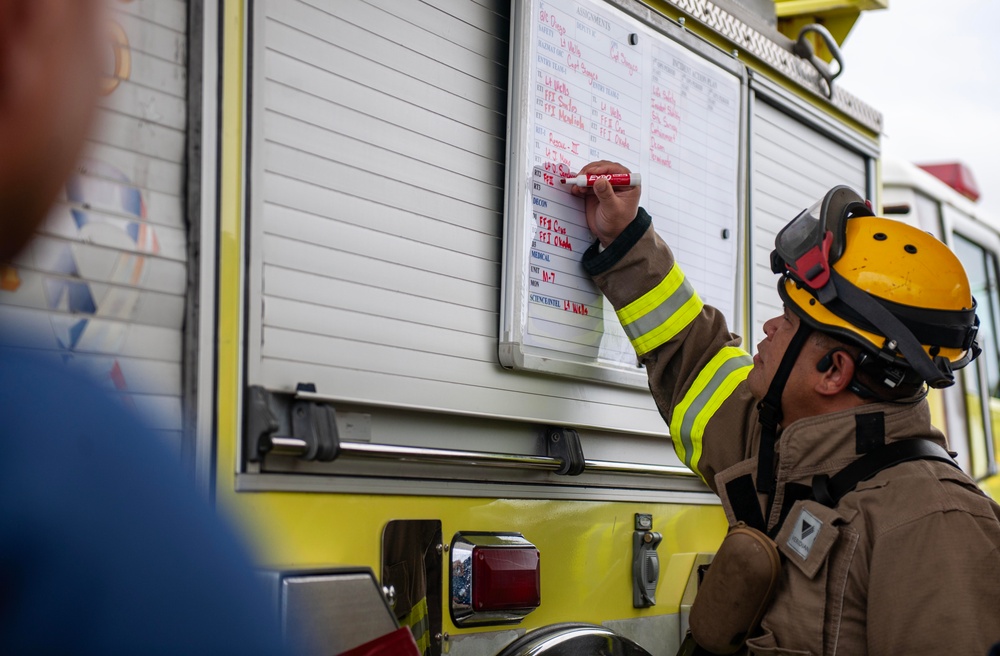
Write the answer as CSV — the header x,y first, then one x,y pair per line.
x,y
933,586
695,366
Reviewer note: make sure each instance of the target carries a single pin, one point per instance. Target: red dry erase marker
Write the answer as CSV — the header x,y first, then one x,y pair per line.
x,y
616,179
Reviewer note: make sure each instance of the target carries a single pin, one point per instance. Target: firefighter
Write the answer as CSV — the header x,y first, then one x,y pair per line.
x,y
899,553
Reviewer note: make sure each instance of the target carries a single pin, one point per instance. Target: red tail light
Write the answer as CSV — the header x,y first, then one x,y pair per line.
x,y
506,578
495,578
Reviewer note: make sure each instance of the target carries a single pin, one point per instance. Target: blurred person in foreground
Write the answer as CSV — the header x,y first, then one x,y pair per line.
x,y
104,546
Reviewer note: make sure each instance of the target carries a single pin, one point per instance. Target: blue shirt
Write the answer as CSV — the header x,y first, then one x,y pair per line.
x,y
105,547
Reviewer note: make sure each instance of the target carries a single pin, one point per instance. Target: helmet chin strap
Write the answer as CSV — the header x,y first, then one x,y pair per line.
x,y
769,411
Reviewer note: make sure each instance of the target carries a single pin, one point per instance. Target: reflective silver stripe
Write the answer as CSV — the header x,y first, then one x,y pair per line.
x,y
700,401
420,628
661,313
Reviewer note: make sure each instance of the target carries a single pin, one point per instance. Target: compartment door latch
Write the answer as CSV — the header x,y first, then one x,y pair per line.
x,y
645,562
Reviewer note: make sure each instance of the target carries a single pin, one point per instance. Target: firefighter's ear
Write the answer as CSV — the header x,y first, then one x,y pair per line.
x,y
837,371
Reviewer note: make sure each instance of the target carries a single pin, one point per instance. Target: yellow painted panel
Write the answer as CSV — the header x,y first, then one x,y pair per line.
x,y
935,399
976,435
675,577
585,546
813,7
838,24
991,486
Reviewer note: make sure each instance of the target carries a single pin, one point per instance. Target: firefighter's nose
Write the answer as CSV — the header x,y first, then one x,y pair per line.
x,y
771,326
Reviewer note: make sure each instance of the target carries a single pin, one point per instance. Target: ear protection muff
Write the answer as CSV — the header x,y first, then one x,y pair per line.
x,y
854,386
826,361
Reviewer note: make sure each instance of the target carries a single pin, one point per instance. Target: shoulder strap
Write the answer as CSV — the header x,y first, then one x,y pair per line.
x,y
828,490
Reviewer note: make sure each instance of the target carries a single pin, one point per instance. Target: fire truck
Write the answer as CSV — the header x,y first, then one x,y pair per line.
x,y
941,199
301,244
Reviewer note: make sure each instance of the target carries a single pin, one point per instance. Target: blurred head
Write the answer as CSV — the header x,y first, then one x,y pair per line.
x,y
51,58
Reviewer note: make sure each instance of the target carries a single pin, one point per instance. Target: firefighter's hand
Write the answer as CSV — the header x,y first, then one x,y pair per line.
x,y
609,209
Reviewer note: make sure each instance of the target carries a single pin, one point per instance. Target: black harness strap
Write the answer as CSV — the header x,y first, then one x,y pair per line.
x,y
743,499
869,432
830,490
794,492
769,410
937,372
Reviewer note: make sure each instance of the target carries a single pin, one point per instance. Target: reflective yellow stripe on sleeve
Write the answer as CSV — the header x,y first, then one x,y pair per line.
x,y
658,315
713,385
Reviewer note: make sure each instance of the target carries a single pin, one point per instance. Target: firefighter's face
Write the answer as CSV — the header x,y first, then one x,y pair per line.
x,y
51,57
796,400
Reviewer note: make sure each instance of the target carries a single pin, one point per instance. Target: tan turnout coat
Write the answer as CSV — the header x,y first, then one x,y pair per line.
x,y
908,563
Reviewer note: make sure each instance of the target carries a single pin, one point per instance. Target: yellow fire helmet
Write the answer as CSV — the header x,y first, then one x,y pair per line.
x,y
886,286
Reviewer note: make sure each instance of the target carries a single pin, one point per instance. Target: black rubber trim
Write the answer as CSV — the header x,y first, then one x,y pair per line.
x,y
943,328
596,263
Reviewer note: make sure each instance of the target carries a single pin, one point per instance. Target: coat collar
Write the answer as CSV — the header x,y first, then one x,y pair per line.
x,y
825,444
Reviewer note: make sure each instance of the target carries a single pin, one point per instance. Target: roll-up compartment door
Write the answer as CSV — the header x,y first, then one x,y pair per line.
x,y
792,165
376,176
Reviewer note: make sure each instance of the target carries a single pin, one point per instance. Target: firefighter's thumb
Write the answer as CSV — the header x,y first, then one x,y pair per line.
x,y
603,190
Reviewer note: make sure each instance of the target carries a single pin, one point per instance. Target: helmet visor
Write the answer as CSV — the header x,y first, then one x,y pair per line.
x,y
807,247
802,234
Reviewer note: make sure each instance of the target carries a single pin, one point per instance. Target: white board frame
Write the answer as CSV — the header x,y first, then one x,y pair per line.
x,y
513,352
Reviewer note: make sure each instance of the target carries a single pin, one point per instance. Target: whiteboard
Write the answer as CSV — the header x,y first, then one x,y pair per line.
x,y
590,82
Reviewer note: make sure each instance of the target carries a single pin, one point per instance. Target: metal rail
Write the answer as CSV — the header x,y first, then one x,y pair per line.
x,y
295,447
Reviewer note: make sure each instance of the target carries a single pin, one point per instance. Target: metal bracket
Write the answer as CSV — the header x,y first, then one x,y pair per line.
x,y
314,433
564,444
261,423
804,49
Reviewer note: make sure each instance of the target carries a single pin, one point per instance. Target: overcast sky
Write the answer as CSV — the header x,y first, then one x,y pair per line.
x,y
933,69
